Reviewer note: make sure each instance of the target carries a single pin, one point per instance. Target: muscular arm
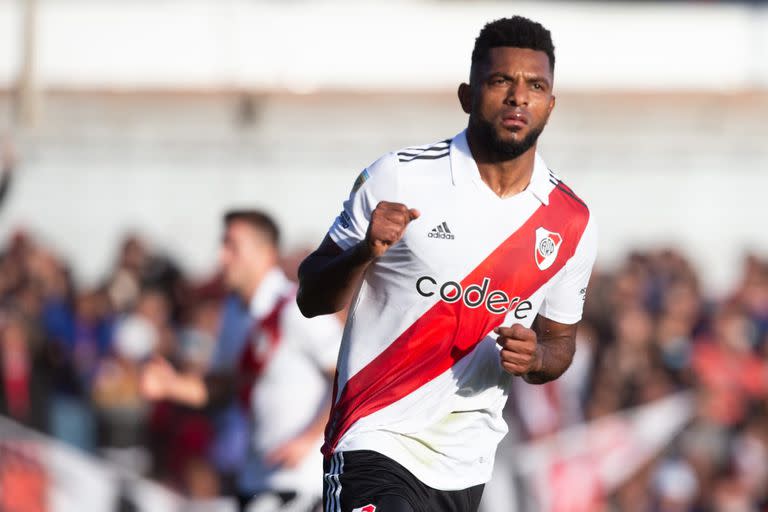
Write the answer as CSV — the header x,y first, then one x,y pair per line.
x,y
539,354
557,345
329,276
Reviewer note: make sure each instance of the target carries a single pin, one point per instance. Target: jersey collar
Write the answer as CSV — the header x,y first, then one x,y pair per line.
x,y
464,170
272,287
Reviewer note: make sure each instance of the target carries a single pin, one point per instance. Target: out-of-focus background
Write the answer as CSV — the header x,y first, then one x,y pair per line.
x,y
128,127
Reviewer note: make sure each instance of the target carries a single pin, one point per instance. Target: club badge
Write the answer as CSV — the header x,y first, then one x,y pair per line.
x,y
547,247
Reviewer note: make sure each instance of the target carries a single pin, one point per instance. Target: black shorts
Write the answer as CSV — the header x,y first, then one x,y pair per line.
x,y
366,481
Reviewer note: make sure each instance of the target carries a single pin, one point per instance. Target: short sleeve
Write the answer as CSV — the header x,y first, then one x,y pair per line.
x,y
564,301
376,183
320,336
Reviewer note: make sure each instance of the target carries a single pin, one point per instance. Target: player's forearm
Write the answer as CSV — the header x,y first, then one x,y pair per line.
x,y
188,389
326,284
555,356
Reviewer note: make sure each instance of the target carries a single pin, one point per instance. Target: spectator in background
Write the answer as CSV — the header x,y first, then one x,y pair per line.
x,y
753,295
283,374
24,374
136,269
182,437
124,283
44,295
198,338
729,372
136,433
121,409
92,332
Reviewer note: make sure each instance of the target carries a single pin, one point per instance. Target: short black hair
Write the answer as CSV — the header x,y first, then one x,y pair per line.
x,y
258,220
516,32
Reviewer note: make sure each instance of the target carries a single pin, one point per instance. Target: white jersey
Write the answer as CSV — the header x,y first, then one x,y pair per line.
x,y
292,387
419,373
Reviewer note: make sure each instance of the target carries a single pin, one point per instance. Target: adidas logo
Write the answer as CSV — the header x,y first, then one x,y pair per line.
x,y
441,231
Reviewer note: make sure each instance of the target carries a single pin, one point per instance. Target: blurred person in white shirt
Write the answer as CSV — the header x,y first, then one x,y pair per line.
x,y
284,374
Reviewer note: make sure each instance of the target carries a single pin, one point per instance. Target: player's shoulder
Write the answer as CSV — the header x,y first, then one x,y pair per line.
x,y
580,220
563,192
391,167
424,153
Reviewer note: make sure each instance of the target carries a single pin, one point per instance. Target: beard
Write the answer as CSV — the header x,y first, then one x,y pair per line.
x,y
505,149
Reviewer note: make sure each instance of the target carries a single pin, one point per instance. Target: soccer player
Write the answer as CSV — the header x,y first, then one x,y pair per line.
x,y
283,375
466,263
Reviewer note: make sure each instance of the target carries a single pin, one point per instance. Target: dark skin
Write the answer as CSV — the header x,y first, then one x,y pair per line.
x,y
511,92
329,276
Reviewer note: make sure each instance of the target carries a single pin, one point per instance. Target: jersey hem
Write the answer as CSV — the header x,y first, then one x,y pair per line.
x,y
389,448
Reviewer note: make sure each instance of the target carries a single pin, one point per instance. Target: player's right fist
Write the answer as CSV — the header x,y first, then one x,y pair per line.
x,y
387,226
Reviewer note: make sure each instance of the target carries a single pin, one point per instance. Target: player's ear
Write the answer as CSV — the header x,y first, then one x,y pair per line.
x,y
465,97
551,105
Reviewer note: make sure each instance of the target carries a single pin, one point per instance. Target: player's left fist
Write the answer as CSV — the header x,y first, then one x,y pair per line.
x,y
520,351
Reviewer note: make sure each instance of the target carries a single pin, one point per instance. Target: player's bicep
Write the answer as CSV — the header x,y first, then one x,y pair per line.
x,y
558,338
548,329
328,248
327,251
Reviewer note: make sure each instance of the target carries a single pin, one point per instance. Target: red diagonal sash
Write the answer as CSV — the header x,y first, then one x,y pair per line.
x,y
252,361
449,331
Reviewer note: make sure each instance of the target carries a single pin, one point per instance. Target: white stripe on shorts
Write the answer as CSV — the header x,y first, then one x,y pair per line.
x,y
333,490
338,482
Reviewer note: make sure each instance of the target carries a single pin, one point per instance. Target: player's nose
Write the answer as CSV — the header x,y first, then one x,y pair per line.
x,y
517,94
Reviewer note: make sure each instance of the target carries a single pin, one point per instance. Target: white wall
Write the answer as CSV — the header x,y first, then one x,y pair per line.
x,y
302,46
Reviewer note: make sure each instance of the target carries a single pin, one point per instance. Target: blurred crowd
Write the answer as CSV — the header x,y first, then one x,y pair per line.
x,y
648,333
70,361
72,358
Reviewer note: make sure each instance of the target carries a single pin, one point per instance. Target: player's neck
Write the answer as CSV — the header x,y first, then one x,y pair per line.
x,y
505,177
252,288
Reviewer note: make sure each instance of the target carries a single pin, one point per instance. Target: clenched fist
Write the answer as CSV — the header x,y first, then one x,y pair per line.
x,y
520,351
388,223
